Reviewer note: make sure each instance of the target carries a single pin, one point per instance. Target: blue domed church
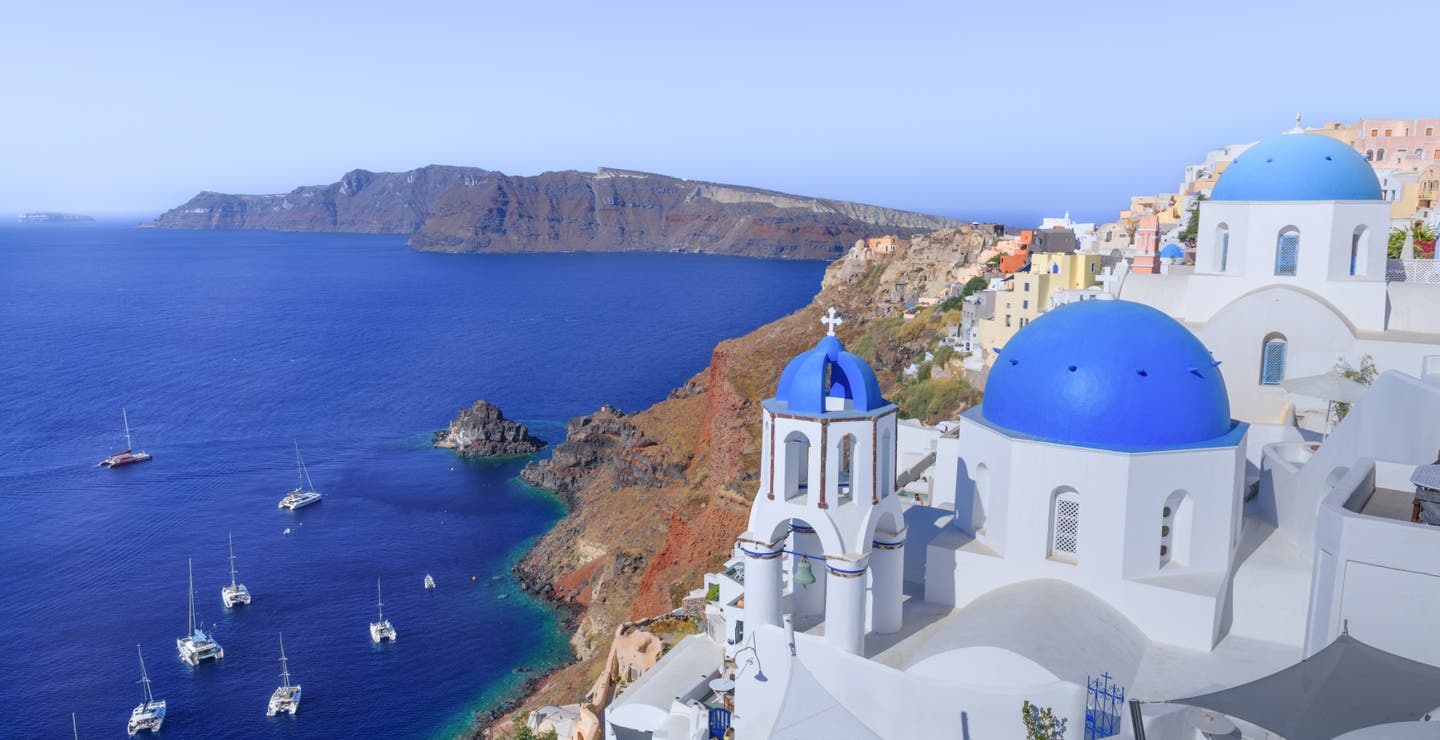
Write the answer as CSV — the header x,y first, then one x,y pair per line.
x,y
1104,454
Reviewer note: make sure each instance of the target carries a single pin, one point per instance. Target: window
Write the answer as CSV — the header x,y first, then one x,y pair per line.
x,y
846,449
1272,360
1092,268
1374,132
1175,523
1369,155
1287,251
1007,319
1389,131
1222,236
797,465
1380,155
1065,524
1358,241
1429,130
1025,303
1027,287
1420,152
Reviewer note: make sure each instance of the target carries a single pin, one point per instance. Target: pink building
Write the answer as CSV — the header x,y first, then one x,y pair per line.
x,y
1147,244
1408,143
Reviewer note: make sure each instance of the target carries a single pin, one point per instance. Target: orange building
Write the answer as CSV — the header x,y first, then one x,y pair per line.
x,y
1012,263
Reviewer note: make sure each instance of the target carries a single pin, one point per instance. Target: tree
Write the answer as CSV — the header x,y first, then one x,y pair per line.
x,y
1364,375
1192,224
1041,723
973,286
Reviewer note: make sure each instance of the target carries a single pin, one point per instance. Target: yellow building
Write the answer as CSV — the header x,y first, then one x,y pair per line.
x,y
1030,292
1344,133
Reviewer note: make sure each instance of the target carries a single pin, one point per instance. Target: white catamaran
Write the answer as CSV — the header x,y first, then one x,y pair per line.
x,y
382,630
300,498
197,646
235,593
148,714
130,455
287,697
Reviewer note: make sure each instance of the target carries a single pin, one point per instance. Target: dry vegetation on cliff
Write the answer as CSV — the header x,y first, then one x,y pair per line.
x,y
658,496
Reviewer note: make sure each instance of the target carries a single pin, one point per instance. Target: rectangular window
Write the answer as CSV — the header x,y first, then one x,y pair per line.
x,y
1025,304
1065,534
1027,287
1007,319
1429,131
1374,132
1287,253
1224,251
1389,131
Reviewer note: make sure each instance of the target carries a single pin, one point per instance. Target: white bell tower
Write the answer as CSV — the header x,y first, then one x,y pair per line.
x,y
828,499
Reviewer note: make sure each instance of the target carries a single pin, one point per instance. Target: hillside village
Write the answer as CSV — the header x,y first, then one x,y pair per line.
x,y
1241,515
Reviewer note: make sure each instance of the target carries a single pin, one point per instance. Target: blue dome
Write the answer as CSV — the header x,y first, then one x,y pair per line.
x,y
1298,167
828,370
1174,251
1108,374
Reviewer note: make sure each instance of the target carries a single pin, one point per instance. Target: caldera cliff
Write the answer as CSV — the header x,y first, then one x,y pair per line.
x,y
658,496
467,209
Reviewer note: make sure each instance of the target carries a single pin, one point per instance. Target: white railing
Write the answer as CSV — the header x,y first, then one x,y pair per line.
x,y
1412,271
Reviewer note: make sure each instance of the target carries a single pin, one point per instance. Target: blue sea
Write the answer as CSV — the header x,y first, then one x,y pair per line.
x,y
228,347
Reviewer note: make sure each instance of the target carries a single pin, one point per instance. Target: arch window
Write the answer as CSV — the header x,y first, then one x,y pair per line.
x,y
797,465
885,479
1175,524
1358,242
1272,360
1222,238
1369,155
1380,154
982,498
846,449
1287,251
1420,152
1065,524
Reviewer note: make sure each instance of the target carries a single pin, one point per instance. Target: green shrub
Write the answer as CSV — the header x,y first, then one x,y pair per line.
x,y
713,594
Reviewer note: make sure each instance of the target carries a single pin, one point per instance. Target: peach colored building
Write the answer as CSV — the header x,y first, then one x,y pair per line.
x,y
1147,244
882,245
1011,263
1405,143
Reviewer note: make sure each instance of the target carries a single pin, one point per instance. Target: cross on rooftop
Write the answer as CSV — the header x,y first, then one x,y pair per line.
x,y
832,321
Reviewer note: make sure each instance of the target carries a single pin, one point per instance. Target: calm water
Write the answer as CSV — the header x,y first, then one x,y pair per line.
x,y
225,347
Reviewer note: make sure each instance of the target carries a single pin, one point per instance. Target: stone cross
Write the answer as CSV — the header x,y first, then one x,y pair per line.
x,y
832,321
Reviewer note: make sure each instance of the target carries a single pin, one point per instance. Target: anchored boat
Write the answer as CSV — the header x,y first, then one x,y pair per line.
x,y
287,697
381,630
130,455
149,714
300,498
197,646
235,593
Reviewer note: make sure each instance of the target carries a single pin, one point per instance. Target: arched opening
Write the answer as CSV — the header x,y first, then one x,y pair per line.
x,y
1369,155
982,498
1065,524
1272,359
1287,251
1359,243
845,479
1222,247
885,476
797,465
1380,155
806,572
1176,521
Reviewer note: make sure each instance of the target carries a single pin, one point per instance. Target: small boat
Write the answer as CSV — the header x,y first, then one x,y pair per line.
x,y
287,697
235,593
300,498
381,630
287,531
197,646
429,582
130,455
148,714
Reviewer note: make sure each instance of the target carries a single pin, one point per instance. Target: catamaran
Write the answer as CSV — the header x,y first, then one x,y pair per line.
x,y
287,697
382,630
300,498
235,593
197,646
129,455
148,714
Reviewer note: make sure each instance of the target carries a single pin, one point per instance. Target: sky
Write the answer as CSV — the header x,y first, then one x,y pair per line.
x,y
978,110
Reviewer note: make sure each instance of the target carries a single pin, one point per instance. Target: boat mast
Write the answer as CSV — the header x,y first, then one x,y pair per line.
x,y
144,678
299,467
74,726
126,417
379,605
191,566
232,558
284,668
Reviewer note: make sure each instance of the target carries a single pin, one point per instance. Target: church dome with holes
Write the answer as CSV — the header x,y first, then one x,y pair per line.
x,y
1108,374
827,378
1295,167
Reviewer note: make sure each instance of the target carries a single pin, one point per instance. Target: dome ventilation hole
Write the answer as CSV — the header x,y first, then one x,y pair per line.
x,y
1072,368
1142,373
1328,159
1268,161
1014,362
1196,372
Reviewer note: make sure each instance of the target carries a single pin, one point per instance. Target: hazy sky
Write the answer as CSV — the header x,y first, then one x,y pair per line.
x,y
972,109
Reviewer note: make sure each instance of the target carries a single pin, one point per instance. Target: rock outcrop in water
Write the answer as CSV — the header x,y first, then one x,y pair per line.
x,y
604,439
467,209
483,431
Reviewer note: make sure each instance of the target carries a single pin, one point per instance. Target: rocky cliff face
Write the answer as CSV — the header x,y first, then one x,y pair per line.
x,y
466,209
483,431
657,497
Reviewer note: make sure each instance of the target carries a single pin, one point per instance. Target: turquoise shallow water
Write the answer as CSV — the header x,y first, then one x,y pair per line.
x,y
225,347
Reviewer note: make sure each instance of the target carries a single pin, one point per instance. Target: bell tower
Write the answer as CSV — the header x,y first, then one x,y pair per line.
x,y
826,524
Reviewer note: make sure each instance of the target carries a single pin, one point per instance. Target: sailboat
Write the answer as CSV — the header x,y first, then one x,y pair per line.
x,y
382,630
300,498
429,582
197,646
129,455
148,714
235,593
287,697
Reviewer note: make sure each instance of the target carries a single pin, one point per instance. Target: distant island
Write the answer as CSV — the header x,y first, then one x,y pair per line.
x,y
51,217
467,209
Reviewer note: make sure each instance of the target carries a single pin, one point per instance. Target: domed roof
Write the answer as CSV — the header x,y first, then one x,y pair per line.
x,y
1298,167
1173,251
828,371
1108,374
